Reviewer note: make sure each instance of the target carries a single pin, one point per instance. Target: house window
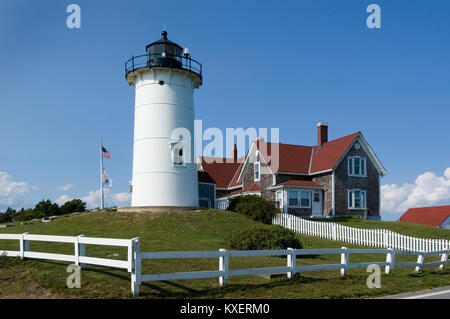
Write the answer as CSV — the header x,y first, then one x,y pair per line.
x,y
256,170
177,155
357,199
316,197
279,198
300,199
356,166
293,198
305,199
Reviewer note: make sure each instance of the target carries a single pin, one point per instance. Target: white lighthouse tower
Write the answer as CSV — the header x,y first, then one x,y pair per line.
x,y
164,171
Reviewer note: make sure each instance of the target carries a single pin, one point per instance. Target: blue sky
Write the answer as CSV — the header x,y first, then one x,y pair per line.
x,y
285,64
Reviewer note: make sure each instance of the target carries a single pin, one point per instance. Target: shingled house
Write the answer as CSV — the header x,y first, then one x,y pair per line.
x,y
333,178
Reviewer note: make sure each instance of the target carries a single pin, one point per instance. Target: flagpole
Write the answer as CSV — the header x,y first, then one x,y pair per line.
x,y
101,176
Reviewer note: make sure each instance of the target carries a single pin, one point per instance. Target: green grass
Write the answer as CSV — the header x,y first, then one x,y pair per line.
x,y
199,230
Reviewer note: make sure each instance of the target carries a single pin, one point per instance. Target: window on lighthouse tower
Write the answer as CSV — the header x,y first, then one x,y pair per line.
x,y
177,155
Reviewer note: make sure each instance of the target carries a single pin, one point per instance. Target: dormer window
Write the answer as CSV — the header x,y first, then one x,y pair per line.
x,y
256,171
357,166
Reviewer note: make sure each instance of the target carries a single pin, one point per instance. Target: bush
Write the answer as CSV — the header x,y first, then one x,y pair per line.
x,y
72,206
275,237
46,208
257,208
233,202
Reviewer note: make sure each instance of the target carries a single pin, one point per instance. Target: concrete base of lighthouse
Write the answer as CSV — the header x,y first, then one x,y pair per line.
x,y
155,209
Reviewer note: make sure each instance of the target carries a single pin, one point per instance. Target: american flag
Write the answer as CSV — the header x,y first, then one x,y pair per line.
x,y
106,153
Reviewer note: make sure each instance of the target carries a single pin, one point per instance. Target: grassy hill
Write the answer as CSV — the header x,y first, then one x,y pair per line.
x,y
197,230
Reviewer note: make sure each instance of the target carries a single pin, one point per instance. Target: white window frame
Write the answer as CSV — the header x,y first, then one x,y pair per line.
x,y
259,172
279,198
351,205
299,199
362,164
309,199
289,198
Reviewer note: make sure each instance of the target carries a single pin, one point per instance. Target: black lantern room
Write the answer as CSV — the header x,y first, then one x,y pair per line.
x,y
164,53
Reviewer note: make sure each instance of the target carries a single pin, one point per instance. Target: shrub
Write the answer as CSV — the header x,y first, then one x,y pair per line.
x,y
233,202
46,208
72,206
275,237
257,208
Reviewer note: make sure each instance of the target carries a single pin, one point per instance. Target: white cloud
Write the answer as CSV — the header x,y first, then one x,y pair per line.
x,y
62,199
428,189
12,192
93,199
65,187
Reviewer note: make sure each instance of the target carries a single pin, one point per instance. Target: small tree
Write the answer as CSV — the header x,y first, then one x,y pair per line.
x,y
46,208
257,208
273,237
74,205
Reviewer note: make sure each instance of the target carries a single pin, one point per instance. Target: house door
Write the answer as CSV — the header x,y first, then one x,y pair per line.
x,y
317,203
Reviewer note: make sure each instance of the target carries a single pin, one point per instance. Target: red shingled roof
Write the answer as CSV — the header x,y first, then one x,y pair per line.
x,y
250,188
328,155
296,159
204,177
433,216
292,158
220,171
293,182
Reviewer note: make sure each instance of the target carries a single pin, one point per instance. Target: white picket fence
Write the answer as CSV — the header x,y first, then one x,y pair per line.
x,y
78,256
367,237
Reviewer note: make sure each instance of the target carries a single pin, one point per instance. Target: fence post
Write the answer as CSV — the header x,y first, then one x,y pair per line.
x,y
24,245
291,262
334,232
223,266
420,260
390,258
81,251
136,266
344,261
444,259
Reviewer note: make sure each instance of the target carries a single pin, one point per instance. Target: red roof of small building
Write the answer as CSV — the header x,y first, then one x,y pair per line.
x,y
293,182
250,188
433,216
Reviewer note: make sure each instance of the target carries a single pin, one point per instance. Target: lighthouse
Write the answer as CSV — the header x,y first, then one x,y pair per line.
x,y
164,170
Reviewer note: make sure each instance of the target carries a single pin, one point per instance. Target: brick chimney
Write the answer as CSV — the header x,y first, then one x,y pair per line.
x,y
322,133
234,153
